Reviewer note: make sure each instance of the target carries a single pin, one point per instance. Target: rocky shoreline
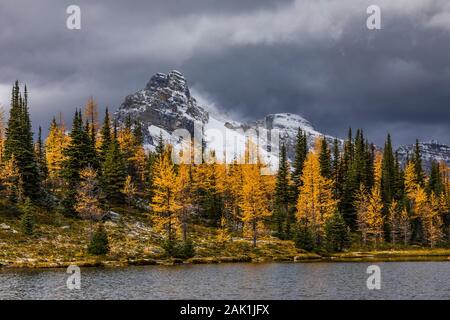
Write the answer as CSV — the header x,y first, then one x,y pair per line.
x,y
381,256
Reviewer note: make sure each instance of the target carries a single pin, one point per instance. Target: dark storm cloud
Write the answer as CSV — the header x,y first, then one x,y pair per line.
x,y
250,58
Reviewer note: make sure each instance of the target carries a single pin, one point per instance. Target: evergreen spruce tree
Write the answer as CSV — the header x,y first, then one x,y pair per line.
x,y
19,143
369,165
283,197
346,204
79,154
105,134
304,238
337,234
336,170
435,184
160,145
301,151
388,172
114,172
417,161
325,159
388,182
40,156
138,133
350,183
99,244
360,159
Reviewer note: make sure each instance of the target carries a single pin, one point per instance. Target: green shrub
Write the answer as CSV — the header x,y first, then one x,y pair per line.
x,y
304,239
99,244
337,234
185,250
179,249
169,247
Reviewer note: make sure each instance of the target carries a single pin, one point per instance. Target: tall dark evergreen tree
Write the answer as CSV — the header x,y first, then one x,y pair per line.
x,y
337,233
105,134
350,183
80,153
40,156
388,182
160,145
301,151
304,238
417,160
325,159
388,172
360,158
19,143
114,172
435,184
369,165
283,197
399,179
138,134
337,170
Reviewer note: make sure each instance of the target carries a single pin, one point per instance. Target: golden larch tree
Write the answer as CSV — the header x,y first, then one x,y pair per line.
x,y
315,203
129,190
233,194
361,206
56,142
404,223
10,180
410,180
166,203
88,196
2,133
375,215
253,203
432,221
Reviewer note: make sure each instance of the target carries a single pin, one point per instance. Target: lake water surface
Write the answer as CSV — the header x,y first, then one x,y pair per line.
x,y
399,280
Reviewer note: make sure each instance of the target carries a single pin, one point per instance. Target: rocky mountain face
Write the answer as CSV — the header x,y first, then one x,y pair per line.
x,y
430,151
166,104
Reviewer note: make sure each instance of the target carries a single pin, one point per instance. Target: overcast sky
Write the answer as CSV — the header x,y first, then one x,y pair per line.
x,y
250,58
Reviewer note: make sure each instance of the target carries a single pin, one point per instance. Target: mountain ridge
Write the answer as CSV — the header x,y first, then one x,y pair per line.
x,y
166,104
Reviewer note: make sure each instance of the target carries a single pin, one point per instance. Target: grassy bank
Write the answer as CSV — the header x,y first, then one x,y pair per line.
x,y
58,242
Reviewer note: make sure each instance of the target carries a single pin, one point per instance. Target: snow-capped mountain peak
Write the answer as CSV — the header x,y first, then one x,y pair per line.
x,y
166,106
